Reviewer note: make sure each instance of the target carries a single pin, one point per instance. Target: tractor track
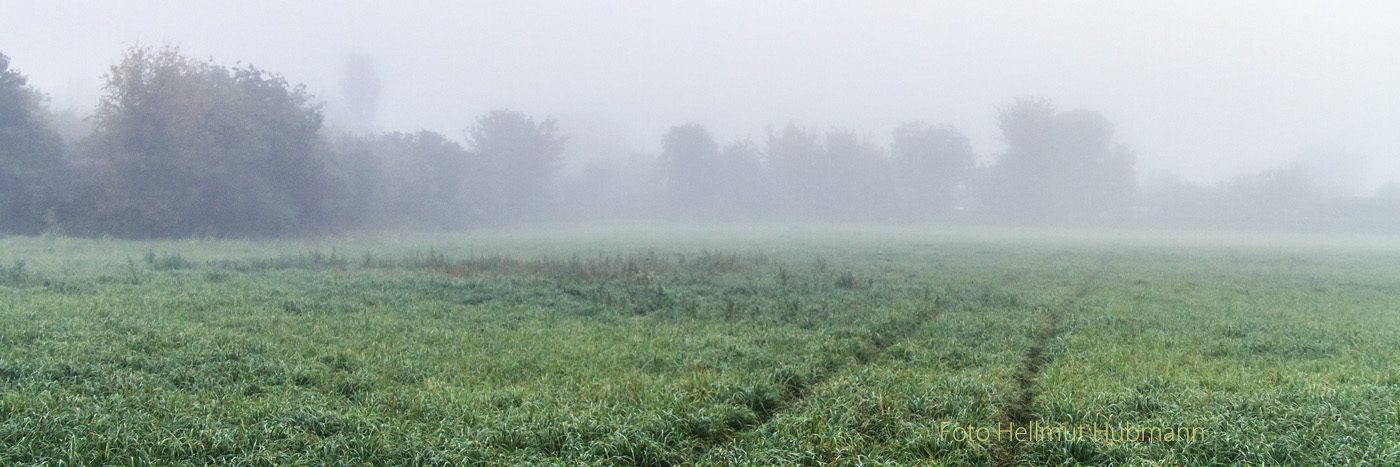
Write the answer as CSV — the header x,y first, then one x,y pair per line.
x,y
881,341
1020,411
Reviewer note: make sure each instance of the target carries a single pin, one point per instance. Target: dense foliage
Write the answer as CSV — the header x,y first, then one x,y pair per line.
x,y
518,157
1060,164
183,147
188,148
30,156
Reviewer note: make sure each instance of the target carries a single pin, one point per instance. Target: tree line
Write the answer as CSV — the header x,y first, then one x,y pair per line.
x,y
1059,166
180,147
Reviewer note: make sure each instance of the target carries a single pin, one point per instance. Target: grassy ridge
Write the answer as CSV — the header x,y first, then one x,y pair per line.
x,y
762,350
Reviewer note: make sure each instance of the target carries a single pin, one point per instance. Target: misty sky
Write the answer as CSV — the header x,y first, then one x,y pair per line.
x,y
1203,89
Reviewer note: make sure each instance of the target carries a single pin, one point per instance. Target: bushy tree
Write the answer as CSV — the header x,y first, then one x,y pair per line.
x,y
931,160
743,180
423,179
800,169
705,181
1269,197
1060,165
356,177
191,148
516,159
693,169
30,155
399,179
857,182
833,175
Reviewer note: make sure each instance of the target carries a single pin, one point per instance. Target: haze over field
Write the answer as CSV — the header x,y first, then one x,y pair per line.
x,y
1204,90
265,119
658,233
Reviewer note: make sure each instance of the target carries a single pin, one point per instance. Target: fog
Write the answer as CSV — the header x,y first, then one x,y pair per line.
x,y
1203,95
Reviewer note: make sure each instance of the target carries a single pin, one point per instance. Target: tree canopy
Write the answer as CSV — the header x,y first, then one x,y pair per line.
x,y
192,148
30,154
1060,165
517,159
180,147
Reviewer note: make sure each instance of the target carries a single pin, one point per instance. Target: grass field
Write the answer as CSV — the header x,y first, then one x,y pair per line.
x,y
669,348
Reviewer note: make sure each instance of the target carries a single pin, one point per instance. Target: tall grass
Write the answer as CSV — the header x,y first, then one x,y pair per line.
x,y
826,351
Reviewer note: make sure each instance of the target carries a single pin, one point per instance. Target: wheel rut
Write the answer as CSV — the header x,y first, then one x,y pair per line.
x,y
1020,411
885,336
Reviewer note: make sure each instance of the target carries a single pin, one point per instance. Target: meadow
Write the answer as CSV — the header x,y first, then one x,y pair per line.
x,y
667,347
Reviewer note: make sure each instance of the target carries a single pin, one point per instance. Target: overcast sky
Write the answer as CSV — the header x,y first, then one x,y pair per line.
x,y
1202,89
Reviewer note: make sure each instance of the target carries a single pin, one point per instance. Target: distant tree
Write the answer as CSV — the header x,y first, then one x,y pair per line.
x,y
400,179
359,91
857,182
932,161
190,148
1168,199
1060,165
356,177
800,168
705,181
743,180
30,155
610,180
693,167
1028,123
424,180
833,175
1029,177
1268,197
516,159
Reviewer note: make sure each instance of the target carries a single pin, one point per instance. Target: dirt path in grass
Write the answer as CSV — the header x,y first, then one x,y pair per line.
x,y
884,337
1020,412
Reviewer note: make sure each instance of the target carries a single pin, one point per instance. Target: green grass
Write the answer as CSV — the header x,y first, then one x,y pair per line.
x,y
667,348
